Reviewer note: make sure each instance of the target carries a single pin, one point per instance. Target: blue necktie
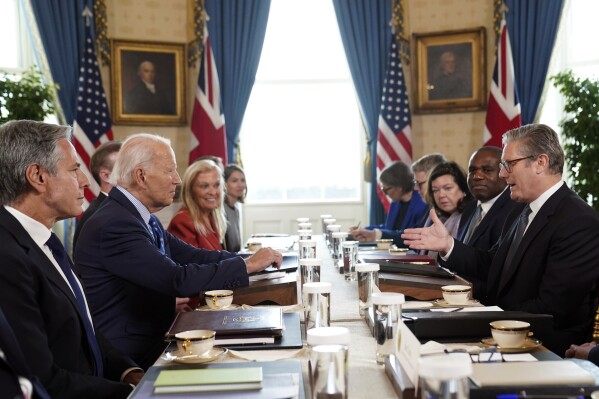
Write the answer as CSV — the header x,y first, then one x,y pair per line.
x,y
63,261
158,235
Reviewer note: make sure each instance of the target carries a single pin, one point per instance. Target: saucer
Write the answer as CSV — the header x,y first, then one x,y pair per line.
x,y
416,305
177,356
471,303
529,344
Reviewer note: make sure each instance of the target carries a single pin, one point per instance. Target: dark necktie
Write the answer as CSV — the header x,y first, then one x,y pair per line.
x,y
520,227
158,235
474,222
63,261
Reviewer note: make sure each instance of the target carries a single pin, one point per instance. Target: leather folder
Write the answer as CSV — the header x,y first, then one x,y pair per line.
x,y
470,326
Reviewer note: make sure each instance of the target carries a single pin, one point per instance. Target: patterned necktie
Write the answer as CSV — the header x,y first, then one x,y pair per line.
x,y
521,226
63,261
158,235
474,222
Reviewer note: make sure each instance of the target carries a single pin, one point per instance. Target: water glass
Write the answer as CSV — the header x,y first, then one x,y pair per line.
x,y
304,234
387,316
350,258
309,270
445,376
316,298
328,365
332,228
325,232
307,249
338,238
368,284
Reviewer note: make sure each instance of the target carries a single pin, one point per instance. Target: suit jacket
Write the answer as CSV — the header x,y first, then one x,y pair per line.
x,y
13,365
91,209
182,227
416,210
554,271
131,286
42,311
487,233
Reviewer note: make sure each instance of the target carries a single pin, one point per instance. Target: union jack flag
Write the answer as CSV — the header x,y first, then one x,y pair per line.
x,y
208,122
394,138
92,124
503,111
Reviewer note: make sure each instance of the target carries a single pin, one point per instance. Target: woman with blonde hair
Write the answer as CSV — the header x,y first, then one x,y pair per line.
x,y
201,221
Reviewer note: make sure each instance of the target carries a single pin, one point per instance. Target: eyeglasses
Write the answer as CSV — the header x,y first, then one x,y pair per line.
x,y
508,164
385,189
420,184
484,355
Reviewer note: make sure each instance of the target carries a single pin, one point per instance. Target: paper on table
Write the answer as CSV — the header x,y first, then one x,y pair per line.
x,y
469,309
268,356
274,386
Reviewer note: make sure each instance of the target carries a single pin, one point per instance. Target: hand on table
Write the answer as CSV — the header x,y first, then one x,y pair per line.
x,y
362,235
580,351
133,377
263,258
182,305
432,238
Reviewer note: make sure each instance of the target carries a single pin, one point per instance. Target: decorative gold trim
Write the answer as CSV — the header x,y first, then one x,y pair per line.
x,y
101,29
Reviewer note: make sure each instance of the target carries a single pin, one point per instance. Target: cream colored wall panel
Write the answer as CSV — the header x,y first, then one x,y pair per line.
x,y
150,20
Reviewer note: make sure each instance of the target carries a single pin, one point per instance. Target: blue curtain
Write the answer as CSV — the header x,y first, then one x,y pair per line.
x,y
237,30
366,36
62,30
532,25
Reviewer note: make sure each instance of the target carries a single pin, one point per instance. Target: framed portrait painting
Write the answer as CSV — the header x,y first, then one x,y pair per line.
x,y
450,71
148,83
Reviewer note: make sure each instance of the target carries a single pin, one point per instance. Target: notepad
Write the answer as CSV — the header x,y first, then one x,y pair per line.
x,y
208,380
544,373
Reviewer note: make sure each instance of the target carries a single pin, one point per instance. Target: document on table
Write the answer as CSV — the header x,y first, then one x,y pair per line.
x,y
267,276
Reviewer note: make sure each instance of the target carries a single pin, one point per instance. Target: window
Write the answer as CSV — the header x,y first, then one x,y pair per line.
x,y
301,137
16,54
574,50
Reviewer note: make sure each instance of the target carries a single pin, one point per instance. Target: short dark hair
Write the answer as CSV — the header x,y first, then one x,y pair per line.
x,y
398,174
453,169
100,158
537,139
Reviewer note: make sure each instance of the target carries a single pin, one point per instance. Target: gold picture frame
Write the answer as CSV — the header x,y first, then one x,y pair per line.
x,y
161,100
450,71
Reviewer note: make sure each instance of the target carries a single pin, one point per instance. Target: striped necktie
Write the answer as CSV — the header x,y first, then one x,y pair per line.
x,y
474,222
518,234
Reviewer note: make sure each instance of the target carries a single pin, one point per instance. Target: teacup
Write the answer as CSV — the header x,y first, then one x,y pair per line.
x,y
456,294
384,243
510,333
195,342
218,299
253,246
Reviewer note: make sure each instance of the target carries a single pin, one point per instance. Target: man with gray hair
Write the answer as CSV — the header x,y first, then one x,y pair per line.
x,y
40,184
547,258
133,269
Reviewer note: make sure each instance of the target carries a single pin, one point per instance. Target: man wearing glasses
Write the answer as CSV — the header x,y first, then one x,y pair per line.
x,y
547,258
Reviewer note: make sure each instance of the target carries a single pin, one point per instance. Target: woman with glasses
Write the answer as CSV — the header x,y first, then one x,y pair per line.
x,y
448,193
406,210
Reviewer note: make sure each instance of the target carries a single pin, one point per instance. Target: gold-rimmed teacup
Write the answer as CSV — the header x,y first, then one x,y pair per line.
x,y
195,342
218,299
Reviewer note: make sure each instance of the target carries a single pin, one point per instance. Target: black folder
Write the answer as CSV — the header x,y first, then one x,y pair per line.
x,y
470,326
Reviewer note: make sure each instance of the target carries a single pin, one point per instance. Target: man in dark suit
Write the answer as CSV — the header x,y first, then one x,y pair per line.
x,y
485,217
41,298
146,97
132,269
547,259
100,165
16,379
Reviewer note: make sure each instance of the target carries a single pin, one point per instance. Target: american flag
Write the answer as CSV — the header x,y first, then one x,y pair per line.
x,y
503,111
208,122
394,140
92,121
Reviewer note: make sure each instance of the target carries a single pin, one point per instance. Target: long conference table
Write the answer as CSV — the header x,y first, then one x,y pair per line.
x,y
366,377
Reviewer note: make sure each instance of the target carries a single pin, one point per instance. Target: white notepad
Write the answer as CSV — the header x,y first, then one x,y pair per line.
x,y
559,372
